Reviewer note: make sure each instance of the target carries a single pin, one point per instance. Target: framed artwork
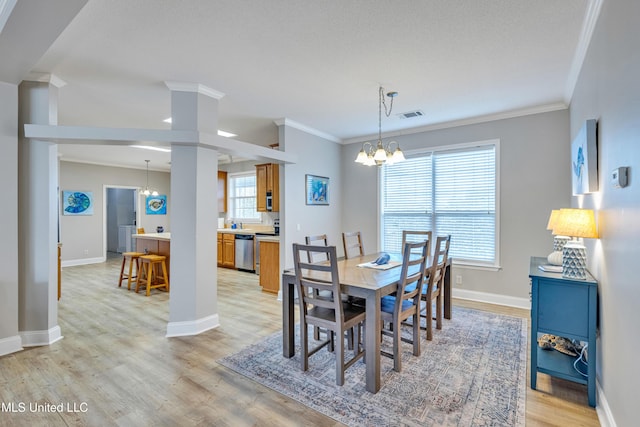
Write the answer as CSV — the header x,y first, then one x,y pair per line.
x,y
77,203
317,190
584,160
156,205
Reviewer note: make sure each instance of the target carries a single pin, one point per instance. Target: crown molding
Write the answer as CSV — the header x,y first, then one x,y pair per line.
x,y
307,129
6,7
52,79
588,26
194,87
463,122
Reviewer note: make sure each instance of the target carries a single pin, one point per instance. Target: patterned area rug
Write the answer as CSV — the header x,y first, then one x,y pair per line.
x,y
473,373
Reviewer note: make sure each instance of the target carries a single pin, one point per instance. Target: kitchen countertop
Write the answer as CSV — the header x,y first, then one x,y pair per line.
x,y
153,236
250,231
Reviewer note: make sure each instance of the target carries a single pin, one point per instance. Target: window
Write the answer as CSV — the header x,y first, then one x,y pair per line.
x,y
449,191
242,197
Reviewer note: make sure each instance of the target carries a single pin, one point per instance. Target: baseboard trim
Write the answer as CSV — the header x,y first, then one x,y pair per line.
x,y
38,338
602,408
498,299
82,261
10,345
192,327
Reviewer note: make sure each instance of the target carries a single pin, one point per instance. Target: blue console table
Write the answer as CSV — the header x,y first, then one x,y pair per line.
x,y
566,308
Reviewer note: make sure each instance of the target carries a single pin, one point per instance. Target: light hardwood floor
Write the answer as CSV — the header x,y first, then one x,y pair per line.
x,y
115,367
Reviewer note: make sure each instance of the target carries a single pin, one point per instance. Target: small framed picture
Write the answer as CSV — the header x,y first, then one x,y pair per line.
x,y
317,190
77,202
157,205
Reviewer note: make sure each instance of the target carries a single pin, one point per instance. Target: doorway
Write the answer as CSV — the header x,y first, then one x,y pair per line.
x,y
121,217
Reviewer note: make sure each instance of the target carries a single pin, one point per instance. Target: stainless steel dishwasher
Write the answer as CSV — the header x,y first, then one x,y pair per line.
x,y
244,252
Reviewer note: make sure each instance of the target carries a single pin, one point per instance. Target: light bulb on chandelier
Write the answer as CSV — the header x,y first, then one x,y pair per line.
x,y
380,154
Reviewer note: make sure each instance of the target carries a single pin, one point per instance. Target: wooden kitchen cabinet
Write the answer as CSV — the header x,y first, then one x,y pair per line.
x,y
270,266
228,250
268,181
219,249
222,191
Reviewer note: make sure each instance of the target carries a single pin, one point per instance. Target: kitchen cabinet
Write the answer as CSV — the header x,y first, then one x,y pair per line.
x,y
268,183
228,250
565,308
222,191
270,266
219,249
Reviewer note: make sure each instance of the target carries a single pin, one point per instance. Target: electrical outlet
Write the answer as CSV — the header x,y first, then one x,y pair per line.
x,y
86,251
459,280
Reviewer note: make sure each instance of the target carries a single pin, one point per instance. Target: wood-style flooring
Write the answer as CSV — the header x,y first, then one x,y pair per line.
x,y
114,365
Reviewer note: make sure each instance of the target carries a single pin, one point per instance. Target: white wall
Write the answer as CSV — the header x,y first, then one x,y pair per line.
x,y
608,90
534,179
9,339
316,156
83,236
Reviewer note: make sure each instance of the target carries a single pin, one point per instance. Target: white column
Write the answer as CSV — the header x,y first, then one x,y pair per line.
x,y
10,340
193,304
38,209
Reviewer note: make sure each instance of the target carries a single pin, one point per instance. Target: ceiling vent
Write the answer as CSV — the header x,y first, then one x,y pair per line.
x,y
411,114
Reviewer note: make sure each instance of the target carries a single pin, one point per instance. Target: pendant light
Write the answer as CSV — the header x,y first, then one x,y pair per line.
x,y
380,154
147,191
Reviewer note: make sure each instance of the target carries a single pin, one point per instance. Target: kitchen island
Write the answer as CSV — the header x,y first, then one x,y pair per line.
x,y
155,244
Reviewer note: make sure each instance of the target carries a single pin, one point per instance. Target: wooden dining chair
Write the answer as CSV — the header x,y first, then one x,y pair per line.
x,y
434,287
405,303
410,236
352,241
314,282
318,240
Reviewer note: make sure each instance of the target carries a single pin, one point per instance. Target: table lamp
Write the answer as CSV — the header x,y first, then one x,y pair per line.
x,y
576,223
555,257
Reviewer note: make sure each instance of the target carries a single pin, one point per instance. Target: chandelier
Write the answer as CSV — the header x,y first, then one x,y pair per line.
x,y
381,154
146,190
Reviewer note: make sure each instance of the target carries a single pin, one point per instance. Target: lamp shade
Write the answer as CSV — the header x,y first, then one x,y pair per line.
x,y
575,223
553,218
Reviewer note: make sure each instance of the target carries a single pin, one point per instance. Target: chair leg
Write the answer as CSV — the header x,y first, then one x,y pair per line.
x,y
438,312
397,360
416,333
142,277
304,347
131,273
124,260
340,358
429,321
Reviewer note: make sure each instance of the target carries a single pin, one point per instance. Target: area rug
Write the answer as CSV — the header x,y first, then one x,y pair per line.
x,y
473,373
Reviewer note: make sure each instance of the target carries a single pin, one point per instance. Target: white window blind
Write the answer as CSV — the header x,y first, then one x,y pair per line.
x,y
448,192
242,197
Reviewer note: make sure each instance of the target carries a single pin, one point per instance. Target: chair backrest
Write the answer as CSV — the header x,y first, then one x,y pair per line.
x,y
439,264
313,280
414,259
409,236
352,241
140,230
319,240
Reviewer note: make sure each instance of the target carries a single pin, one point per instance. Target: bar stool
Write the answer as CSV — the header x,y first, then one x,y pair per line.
x,y
131,257
149,273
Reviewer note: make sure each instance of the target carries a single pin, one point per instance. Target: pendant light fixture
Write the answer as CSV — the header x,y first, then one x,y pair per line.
x,y
147,191
380,154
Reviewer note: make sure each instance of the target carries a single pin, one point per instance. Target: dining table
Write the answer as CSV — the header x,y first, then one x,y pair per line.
x,y
364,282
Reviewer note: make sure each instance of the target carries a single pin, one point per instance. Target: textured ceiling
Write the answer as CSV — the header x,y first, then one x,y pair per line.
x,y
318,63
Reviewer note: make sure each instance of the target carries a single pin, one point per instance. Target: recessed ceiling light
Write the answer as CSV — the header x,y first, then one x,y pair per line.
x,y
148,147
226,134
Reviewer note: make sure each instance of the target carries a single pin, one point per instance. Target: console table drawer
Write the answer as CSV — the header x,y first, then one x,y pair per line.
x,y
562,306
